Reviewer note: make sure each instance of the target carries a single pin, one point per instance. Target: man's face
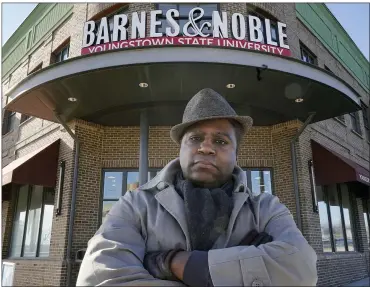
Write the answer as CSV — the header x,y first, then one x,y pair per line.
x,y
208,152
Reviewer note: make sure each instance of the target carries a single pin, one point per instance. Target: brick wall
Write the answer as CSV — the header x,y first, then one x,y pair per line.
x,y
283,177
7,207
38,273
337,269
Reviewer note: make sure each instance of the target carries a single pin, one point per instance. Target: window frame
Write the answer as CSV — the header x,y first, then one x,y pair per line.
x,y
24,118
124,185
196,4
273,24
15,205
249,180
37,68
109,16
351,216
355,122
341,118
365,118
9,116
328,69
60,53
303,49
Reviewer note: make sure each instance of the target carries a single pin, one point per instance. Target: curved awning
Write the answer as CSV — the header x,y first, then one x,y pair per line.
x,y
106,86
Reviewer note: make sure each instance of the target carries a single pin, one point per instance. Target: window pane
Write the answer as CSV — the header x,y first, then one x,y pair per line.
x,y
19,222
112,184
274,34
33,222
324,220
366,219
65,54
11,122
132,180
184,9
347,211
261,181
165,7
107,205
336,218
47,221
208,9
206,29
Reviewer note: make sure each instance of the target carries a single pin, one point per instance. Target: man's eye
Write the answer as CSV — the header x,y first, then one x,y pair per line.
x,y
194,138
221,142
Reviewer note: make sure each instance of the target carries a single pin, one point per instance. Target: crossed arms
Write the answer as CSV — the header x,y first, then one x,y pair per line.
x,y
115,254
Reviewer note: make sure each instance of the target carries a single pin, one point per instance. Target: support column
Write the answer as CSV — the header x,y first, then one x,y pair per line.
x,y
144,139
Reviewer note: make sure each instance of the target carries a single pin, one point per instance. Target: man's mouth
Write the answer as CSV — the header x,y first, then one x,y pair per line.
x,y
204,164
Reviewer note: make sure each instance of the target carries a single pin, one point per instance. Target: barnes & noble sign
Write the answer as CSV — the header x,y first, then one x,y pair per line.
x,y
246,32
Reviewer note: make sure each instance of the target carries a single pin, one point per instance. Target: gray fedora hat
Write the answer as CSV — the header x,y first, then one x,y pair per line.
x,y
205,105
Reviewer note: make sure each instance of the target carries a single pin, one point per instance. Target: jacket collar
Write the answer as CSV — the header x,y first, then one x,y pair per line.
x,y
166,178
166,195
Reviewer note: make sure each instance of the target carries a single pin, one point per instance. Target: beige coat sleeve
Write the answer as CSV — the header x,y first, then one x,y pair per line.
x,y
287,261
115,254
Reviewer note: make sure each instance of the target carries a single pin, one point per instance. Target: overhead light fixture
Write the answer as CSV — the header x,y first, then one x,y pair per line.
x,y
230,86
299,100
293,91
72,99
143,85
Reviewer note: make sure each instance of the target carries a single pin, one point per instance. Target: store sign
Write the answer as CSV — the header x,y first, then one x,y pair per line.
x,y
110,36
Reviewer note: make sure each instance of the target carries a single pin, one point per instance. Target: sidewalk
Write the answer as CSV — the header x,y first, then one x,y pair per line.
x,y
362,282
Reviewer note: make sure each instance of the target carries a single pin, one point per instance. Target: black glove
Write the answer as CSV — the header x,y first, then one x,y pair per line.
x,y
255,238
158,264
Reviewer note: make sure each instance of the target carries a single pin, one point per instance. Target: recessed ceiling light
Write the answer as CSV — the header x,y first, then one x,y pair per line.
x,y
230,86
299,100
72,99
143,85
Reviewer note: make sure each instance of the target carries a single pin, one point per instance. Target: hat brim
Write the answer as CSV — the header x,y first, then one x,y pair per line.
x,y
177,131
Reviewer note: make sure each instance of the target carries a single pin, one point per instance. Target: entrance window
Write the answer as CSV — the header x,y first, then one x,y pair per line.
x,y
336,221
259,180
184,10
32,222
115,184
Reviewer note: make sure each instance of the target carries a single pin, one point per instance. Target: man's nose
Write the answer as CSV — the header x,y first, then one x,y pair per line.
x,y
206,147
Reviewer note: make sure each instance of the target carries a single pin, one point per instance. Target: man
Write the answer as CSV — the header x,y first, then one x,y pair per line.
x,y
196,223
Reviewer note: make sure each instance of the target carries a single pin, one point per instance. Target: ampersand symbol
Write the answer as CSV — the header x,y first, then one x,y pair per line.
x,y
192,21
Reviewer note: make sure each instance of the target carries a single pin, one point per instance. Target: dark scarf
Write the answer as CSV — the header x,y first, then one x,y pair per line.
x,y
207,211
